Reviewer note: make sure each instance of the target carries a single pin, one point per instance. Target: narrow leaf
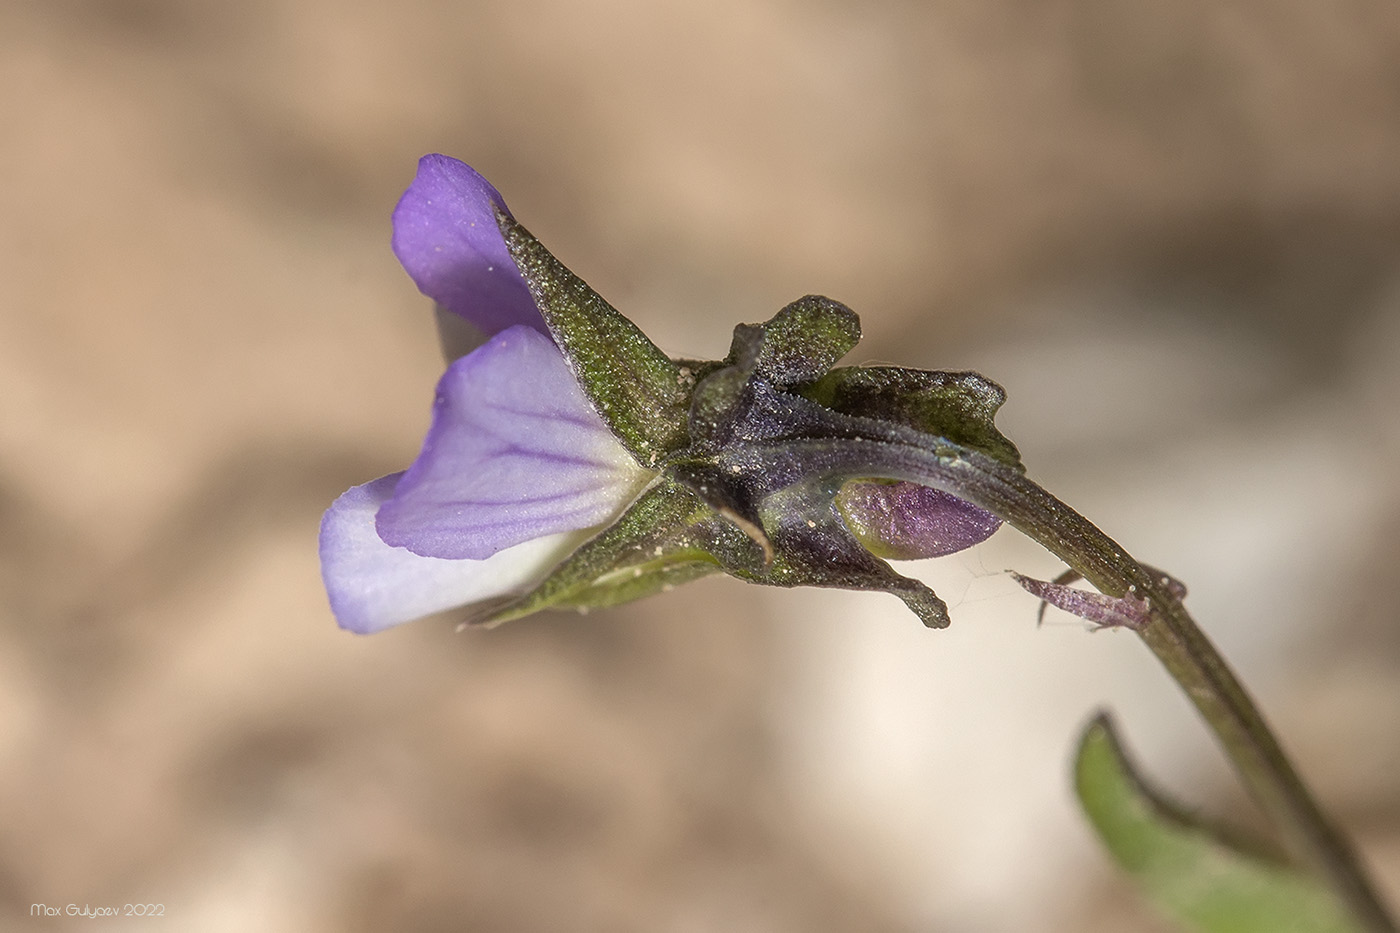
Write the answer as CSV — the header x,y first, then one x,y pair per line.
x,y
1194,872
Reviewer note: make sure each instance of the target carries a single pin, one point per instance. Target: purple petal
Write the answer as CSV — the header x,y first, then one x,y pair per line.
x,y
373,586
446,237
905,521
515,451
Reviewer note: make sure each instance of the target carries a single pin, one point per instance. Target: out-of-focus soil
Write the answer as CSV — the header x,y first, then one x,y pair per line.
x,y
1171,229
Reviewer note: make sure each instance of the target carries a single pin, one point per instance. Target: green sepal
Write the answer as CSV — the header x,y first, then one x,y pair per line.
x,y
960,406
795,347
666,537
641,394
715,402
638,582
1195,872
799,343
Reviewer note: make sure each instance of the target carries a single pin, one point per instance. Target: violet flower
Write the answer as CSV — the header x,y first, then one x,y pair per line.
x,y
516,466
570,463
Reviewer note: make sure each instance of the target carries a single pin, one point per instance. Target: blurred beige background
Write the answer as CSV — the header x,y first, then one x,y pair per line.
x,y
1171,229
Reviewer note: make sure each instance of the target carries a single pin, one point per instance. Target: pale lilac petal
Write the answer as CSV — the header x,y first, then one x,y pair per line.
x,y
373,586
446,237
515,451
905,521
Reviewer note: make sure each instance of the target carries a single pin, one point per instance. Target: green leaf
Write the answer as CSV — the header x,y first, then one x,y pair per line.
x,y
959,406
667,537
640,392
1194,872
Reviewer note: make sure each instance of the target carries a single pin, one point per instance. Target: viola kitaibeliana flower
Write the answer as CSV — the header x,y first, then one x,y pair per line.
x,y
570,463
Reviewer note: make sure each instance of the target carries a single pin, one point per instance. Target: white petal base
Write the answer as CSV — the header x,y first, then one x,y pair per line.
x,y
373,586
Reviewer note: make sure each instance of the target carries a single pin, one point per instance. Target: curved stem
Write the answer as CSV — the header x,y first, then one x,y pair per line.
x,y
1193,661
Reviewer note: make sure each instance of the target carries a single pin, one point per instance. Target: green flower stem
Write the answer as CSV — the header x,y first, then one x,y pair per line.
x,y
1191,660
